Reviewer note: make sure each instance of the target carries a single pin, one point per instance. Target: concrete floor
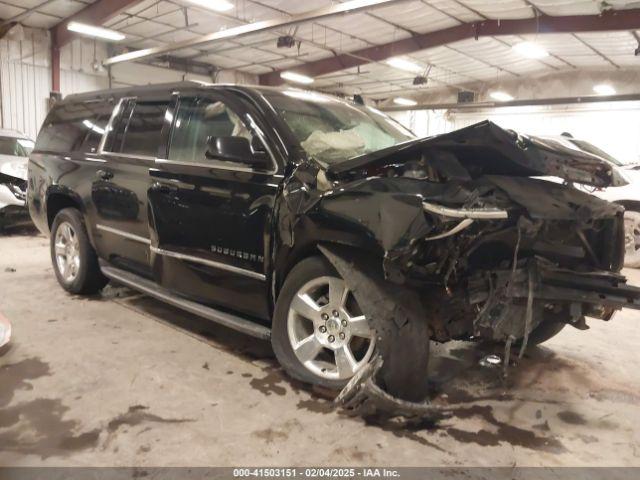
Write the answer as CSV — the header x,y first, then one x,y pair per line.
x,y
124,380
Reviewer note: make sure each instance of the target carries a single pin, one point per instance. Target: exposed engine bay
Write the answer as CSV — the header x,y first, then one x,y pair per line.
x,y
463,238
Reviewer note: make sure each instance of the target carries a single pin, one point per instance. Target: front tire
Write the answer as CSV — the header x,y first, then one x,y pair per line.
x,y
75,262
319,334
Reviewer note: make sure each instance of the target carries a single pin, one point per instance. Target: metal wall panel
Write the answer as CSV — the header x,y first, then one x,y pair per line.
x,y
24,91
25,76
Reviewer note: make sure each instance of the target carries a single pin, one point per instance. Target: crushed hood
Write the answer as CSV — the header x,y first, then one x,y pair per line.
x,y
487,149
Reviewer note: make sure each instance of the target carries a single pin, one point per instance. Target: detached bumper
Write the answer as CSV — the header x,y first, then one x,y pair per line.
x,y
603,289
512,303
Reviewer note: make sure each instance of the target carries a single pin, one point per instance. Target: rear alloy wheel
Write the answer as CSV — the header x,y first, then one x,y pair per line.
x,y
322,336
75,262
632,239
67,252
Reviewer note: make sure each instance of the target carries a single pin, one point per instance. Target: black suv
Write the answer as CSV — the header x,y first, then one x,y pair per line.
x,y
325,225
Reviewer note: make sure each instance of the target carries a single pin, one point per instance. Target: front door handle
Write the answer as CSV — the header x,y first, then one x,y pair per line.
x,y
165,187
104,174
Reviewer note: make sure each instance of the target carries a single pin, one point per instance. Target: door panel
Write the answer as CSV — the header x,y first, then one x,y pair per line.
x,y
211,219
119,189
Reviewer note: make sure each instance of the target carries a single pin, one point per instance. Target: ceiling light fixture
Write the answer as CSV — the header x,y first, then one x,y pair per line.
x,y
405,102
296,77
530,50
93,31
604,89
404,64
216,5
501,96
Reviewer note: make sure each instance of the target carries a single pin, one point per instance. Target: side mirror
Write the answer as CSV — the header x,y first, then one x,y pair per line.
x,y
237,149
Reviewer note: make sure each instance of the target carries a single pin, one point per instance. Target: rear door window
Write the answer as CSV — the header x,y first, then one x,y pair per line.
x,y
139,132
74,127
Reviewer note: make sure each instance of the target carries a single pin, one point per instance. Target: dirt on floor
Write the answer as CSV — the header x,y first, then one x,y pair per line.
x,y
121,379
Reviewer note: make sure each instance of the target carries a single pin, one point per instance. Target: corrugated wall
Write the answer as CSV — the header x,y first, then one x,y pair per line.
x,y
24,81
25,76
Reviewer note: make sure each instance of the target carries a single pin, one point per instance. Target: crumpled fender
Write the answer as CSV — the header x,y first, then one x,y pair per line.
x,y
398,318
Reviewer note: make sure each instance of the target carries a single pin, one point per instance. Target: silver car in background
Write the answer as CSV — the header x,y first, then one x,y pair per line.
x,y
15,148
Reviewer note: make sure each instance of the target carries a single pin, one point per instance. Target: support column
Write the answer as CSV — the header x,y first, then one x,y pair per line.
x,y
55,67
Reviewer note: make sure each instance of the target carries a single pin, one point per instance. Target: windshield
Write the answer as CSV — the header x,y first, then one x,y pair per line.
x,y
331,130
16,147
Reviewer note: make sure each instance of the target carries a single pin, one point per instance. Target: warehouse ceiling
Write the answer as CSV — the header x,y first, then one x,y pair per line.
x,y
458,64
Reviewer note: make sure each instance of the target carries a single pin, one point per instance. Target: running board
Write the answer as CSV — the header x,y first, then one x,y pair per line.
x,y
152,289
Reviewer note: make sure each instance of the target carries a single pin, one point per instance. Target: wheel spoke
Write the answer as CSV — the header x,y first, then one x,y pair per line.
x,y
337,292
359,326
305,306
308,349
345,362
66,233
62,266
59,248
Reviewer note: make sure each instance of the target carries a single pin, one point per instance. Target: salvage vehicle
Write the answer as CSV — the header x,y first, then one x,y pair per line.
x,y
15,148
327,227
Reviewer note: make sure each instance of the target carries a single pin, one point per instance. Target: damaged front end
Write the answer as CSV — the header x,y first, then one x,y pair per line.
x,y
456,239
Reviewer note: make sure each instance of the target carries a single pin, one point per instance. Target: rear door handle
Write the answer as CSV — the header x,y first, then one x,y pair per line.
x,y
104,174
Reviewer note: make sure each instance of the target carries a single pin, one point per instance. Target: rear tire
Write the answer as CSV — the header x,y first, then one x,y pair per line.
x,y
75,262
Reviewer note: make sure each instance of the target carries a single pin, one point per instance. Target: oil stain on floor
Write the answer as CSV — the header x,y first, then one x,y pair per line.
x,y
41,427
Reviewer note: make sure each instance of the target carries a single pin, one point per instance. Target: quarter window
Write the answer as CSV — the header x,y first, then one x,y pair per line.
x,y
74,127
198,120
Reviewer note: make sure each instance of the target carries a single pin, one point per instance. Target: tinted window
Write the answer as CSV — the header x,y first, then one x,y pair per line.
x,y
74,127
197,121
141,136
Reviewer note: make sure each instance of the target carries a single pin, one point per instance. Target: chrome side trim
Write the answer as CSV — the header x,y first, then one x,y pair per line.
x,y
122,233
146,158
215,165
209,263
152,289
474,213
